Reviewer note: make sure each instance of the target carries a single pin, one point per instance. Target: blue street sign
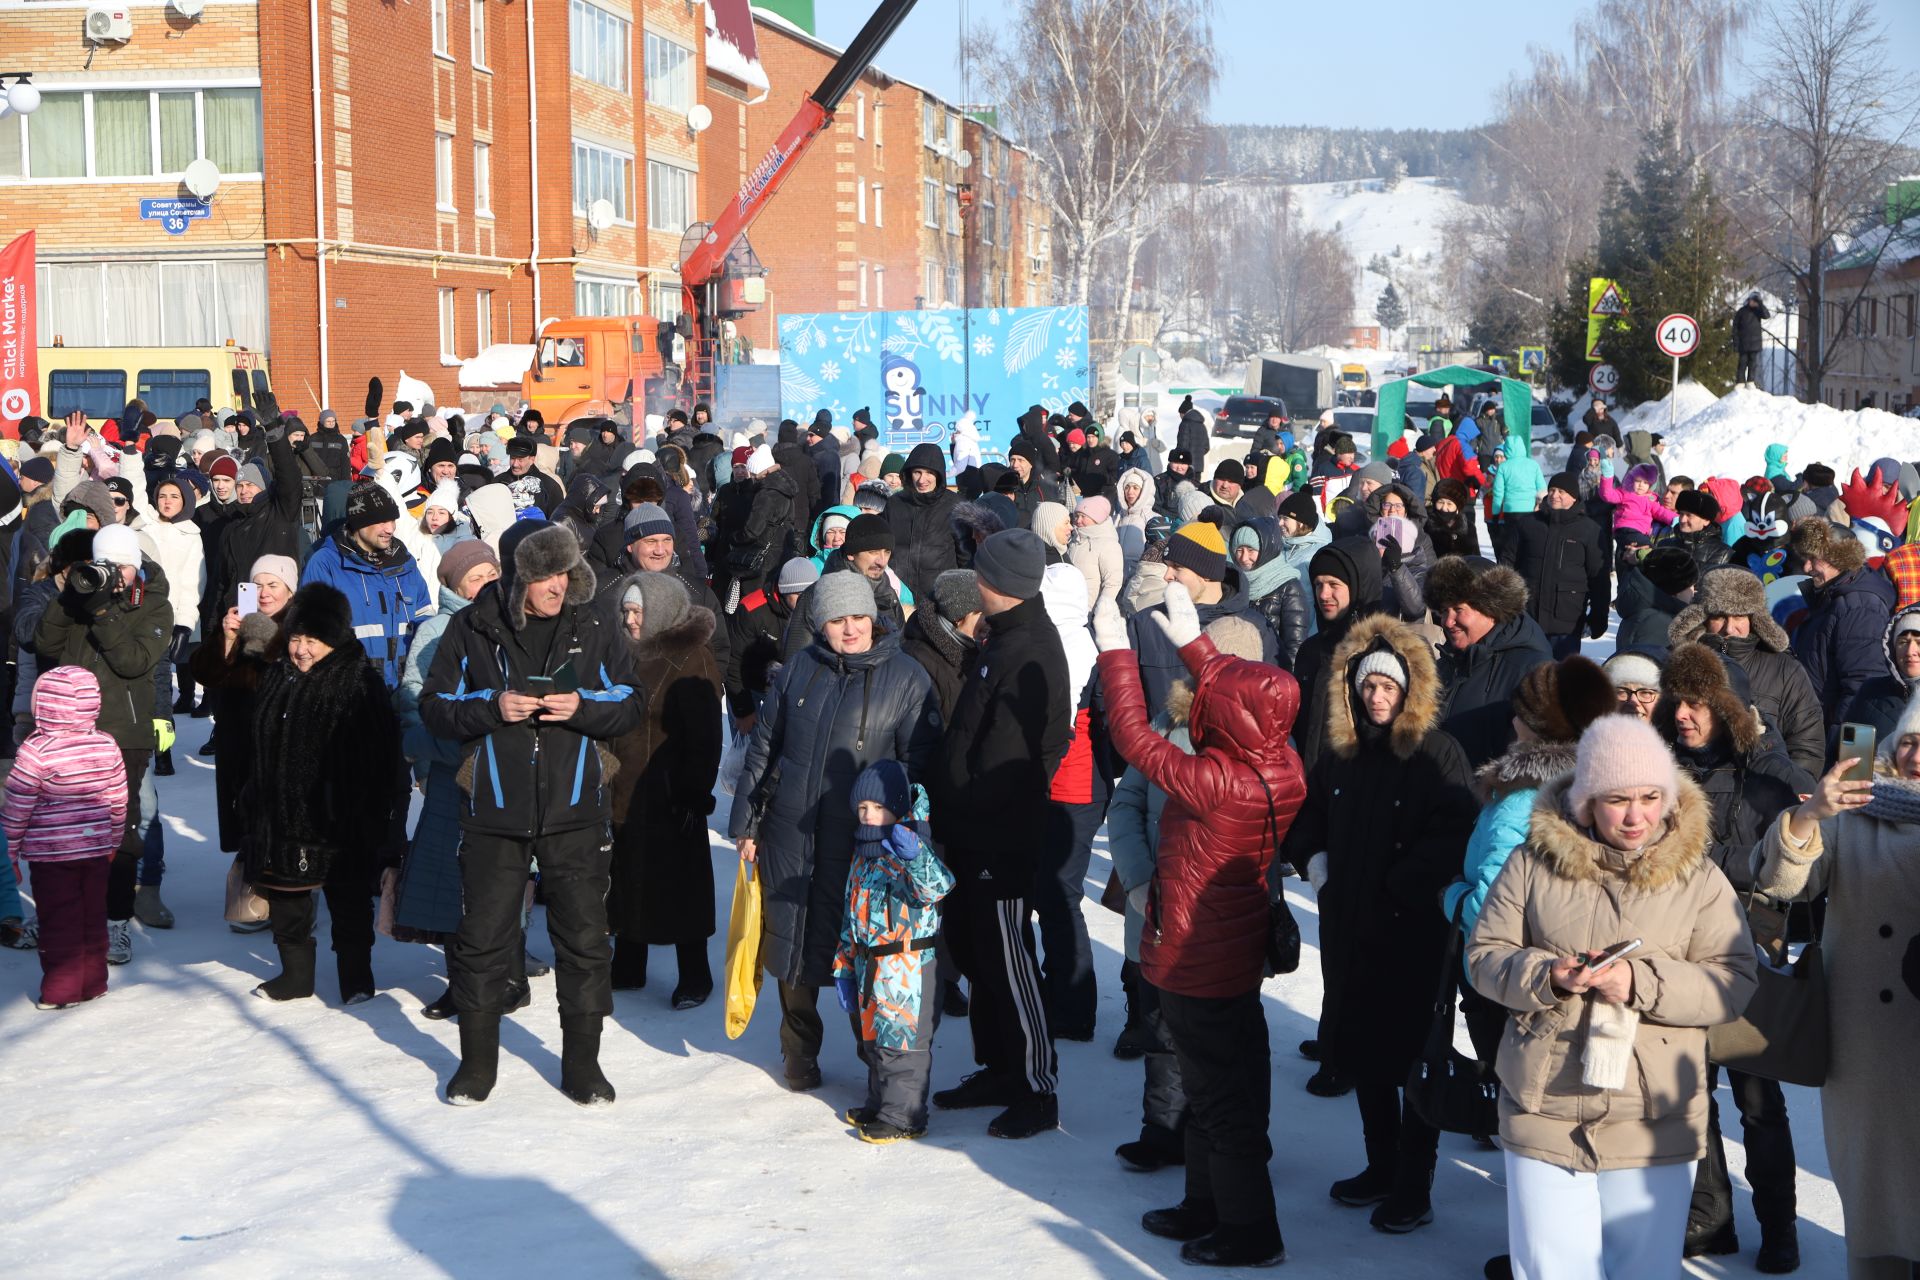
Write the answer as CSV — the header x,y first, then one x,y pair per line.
x,y
174,214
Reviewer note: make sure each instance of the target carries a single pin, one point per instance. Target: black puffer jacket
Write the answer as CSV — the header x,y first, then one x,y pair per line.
x,y
922,525
1561,556
1480,684
828,716
1706,546
931,641
270,525
1285,606
121,645
768,533
1033,428
793,460
1193,438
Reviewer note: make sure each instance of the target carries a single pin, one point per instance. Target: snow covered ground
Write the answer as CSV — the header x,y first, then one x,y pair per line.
x,y
1406,226
182,1127
1730,436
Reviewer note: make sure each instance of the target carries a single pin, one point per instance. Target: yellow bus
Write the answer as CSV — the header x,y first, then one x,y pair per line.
x,y
99,381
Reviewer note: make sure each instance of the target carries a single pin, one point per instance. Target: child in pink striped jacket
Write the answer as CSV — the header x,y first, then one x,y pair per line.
x,y
62,810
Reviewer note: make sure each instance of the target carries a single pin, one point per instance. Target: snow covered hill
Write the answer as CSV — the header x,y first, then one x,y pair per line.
x,y
1405,226
180,1127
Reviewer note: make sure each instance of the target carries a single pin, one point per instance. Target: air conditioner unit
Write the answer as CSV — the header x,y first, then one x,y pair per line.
x,y
107,24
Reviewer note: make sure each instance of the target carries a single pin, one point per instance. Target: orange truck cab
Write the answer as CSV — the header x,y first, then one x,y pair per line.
x,y
585,365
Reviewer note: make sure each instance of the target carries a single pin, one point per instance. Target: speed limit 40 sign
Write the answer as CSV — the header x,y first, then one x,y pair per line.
x,y
1677,335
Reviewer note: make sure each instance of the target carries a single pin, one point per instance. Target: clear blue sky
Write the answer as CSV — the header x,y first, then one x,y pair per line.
x,y
1377,64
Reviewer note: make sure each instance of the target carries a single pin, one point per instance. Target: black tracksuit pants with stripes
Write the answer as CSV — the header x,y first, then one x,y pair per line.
x,y
991,939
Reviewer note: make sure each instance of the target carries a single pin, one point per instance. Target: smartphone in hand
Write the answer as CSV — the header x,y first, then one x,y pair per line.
x,y
1858,743
1595,961
248,594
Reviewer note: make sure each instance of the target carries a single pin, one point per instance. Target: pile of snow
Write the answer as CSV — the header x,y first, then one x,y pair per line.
x,y
1730,437
500,365
1657,415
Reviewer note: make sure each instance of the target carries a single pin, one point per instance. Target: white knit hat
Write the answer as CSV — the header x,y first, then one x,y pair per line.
x,y
760,461
1380,662
1909,722
1633,668
1618,753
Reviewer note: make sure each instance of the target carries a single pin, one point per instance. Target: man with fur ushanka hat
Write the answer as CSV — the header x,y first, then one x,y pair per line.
x,y
1729,615
1490,644
1841,641
530,679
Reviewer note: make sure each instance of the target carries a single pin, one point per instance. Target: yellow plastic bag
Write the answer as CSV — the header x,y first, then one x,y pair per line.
x,y
743,950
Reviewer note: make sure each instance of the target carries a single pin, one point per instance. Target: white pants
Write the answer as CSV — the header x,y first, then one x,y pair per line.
x,y
1624,1224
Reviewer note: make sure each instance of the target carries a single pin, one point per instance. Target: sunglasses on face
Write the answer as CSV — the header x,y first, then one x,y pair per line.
x,y
120,502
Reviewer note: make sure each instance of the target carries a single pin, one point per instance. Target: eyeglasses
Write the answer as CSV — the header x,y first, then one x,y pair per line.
x,y
1395,507
1645,697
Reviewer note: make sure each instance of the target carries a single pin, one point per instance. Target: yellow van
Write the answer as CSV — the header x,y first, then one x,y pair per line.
x,y
99,381
1353,377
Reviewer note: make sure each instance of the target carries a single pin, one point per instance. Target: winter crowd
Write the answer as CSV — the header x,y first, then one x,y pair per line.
x,y
913,689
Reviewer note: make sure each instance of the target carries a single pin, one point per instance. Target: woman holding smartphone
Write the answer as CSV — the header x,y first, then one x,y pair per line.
x,y
1603,1065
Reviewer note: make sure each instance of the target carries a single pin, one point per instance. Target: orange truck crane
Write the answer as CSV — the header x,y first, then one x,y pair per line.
x,y
585,365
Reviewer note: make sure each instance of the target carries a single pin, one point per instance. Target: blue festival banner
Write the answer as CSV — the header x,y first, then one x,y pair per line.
x,y
919,372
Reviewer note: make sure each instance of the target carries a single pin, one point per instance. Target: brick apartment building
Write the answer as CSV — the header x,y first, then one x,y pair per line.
x,y
462,143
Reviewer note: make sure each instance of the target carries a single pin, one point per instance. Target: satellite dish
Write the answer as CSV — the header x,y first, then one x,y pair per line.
x,y
699,117
964,159
202,178
600,215
189,8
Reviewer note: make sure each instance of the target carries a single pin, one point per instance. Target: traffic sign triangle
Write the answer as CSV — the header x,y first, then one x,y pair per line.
x,y
1593,349
1610,303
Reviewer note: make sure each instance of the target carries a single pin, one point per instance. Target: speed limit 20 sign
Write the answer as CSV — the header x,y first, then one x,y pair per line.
x,y
1603,380
1677,335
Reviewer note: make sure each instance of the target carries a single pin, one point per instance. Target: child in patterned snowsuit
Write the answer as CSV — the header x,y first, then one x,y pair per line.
x,y
885,969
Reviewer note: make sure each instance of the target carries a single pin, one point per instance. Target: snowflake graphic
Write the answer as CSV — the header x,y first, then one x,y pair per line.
x,y
1064,358
983,345
1048,381
830,371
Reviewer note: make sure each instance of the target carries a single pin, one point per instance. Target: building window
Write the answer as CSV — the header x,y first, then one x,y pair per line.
x,y
877,108
477,31
930,203
600,173
1900,316
449,339
440,28
863,284
601,41
953,286
879,288
663,295
669,197
859,115
443,172
953,133
986,157
878,221
482,318
987,217
483,179
669,73
932,296
929,123
860,202
953,210
165,303
592,297
133,134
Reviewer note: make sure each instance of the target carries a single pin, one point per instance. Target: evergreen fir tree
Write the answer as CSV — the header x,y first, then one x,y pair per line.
x,y
1389,310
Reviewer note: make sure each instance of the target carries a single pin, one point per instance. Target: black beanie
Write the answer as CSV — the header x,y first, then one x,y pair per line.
x,y
369,503
1671,569
1231,471
1299,505
523,446
442,450
867,533
1567,483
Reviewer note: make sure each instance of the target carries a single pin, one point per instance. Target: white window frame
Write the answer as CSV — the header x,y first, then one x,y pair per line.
x,y
13,120
442,29
930,129
954,224
688,94
598,287
482,319
449,327
879,287
863,284
986,223
930,203
623,207
483,179
443,173
593,64
477,33
878,219
878,106
932,296
664,298
860,202
859,115
656,205
954,286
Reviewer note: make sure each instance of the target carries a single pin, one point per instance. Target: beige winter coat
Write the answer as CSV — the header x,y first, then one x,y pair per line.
x,y
1563,893
1094,550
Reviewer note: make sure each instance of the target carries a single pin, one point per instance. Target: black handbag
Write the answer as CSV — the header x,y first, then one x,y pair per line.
x,y
1283,931
746,562
1783,1034
1450,1091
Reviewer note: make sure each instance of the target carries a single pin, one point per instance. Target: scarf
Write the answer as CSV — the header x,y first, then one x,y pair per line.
x,y
1894,800
1264,579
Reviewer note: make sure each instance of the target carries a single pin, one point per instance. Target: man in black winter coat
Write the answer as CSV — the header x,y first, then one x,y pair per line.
x,y
1562,556
1748,336
269,523
942,635
1033,430
921,516
1030,486
1491,643
824,451
793,458
1192,436
1697,531
1842,640
991,813
529,680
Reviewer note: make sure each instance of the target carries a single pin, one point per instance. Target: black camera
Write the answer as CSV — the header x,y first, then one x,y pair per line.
x,y
91,577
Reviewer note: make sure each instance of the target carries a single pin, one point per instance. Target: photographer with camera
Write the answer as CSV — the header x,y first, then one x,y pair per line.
x,y
113,618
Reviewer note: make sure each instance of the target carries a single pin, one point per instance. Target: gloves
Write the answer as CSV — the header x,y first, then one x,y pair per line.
x,y
849,1001
1597,629
1390,555
1109,628
1181,621
1317,871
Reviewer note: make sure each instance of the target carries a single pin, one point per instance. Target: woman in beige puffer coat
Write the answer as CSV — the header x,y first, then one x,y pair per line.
x,y
1603,1105
1094,549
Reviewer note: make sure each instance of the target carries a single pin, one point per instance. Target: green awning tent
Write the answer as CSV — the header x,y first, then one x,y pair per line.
x,y
1390,404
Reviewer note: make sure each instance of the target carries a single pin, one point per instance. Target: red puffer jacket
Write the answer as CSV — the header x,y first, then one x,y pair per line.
x,y
1206,932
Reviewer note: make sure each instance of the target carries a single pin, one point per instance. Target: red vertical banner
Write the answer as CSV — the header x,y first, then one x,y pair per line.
x,y
19,336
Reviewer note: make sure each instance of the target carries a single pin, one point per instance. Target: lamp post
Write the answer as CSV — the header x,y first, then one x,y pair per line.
x,y
22,97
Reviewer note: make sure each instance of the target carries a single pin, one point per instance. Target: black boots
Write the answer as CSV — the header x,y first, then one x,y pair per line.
x,y
356,975
1409,1206
1188,1220
580,1076
1779,1249
1154,1149
296,973
696,976
479,1059
1369,1187
1237,1245
1709,1238
629,965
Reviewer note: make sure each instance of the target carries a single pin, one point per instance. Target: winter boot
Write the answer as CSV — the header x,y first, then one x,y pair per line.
x,y
1711,1238
119,941
532,966
1237,1245
953,999
1409,1206
479,1059
696,976
1310,1050
981,1089
1035,1113
1188,1220
1131,1044
801,1074
629,965
296,974
879,1132
1779,1249
1499,1267
20,936
580,1076
1328,1083
442,1008
356,975
1370,1186
1153,1150
163,763
148,908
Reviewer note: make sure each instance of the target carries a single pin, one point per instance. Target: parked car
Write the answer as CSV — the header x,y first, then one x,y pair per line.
x,y
1243,415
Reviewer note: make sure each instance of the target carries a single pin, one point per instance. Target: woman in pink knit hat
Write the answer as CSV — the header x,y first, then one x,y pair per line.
x,y
1603,1064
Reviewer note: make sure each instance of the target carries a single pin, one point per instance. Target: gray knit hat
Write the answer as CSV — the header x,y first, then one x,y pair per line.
x,y
956,593
662,598
254,474
647,520
796,575
842,594
1012,562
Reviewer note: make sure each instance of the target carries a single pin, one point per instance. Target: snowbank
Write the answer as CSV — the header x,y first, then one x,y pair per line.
x,y
1730,437
1690,398
500,365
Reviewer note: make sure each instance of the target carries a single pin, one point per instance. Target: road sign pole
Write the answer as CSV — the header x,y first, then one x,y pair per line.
x,y
1673,401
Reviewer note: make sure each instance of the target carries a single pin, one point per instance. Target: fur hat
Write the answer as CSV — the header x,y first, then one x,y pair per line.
x,y
531,550
1698,502
1490,589
320,612
1670,569
1631,668
1816,538
1695,673
1617,753
1384,635
1729,591
1558,700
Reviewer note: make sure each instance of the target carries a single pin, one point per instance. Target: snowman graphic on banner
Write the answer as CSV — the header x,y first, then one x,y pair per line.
x,y
905,400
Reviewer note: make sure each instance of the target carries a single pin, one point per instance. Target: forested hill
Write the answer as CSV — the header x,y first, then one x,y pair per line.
x,y
1289,153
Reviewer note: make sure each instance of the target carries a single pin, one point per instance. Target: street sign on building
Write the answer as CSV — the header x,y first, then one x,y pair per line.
x,y
173,214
